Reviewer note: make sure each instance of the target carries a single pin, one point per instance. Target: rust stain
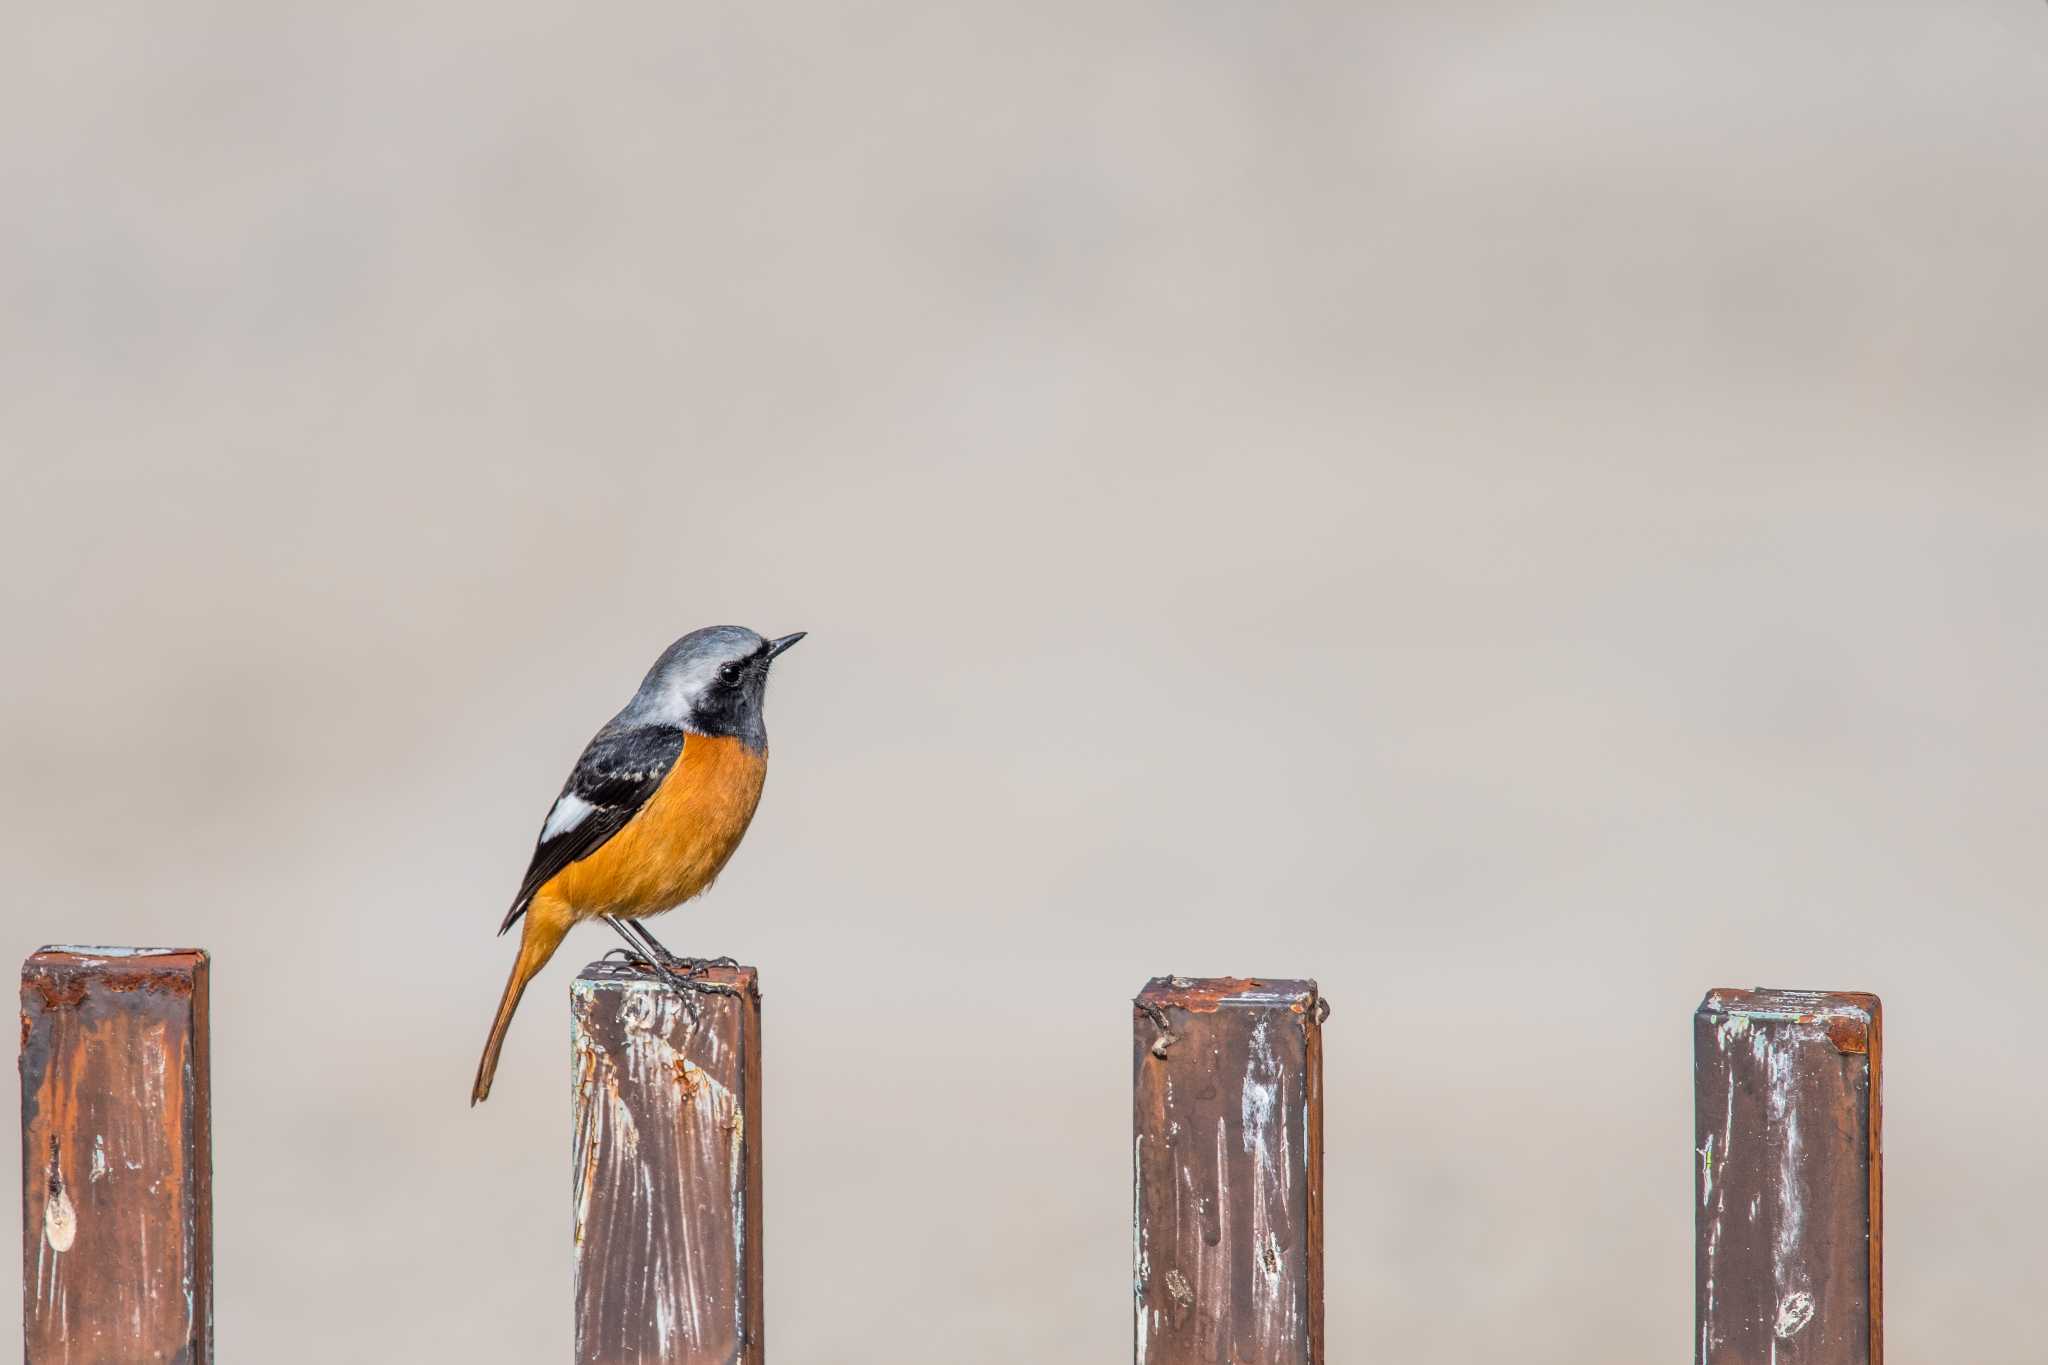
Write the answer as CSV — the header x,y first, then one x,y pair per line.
x,y
1849,1032
157,982
56,990
1198,995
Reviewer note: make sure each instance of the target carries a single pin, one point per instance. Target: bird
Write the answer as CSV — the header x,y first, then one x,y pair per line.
x,y
651,812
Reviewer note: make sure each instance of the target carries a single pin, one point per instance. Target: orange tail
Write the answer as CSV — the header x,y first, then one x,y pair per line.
x,y
547,920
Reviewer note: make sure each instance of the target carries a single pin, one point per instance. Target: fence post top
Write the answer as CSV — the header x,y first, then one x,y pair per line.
x,y
93,955
610,972
1205,994
1766,1003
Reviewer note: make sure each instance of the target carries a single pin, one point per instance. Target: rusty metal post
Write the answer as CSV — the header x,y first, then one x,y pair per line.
x,y
1228,1165
667,1170
1788,1138
116,1157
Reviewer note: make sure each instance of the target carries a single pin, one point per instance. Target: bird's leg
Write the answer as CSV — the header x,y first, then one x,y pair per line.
x,y
691,966
634,953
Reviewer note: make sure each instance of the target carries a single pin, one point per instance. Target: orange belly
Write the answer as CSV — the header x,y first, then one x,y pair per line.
x,y
677,843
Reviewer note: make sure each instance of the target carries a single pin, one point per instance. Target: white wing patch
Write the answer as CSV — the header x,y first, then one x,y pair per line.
x,y
569,812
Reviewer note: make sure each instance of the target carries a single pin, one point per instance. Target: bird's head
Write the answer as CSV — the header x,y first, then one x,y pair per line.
x,y
712,681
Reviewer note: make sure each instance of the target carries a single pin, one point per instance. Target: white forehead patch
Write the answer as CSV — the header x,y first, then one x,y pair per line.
x,y
690,681
569,812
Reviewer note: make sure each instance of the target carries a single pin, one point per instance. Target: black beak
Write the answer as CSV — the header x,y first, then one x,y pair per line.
x,y
775,647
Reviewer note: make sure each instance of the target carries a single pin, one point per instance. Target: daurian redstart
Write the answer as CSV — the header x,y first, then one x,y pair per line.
x,y
657,803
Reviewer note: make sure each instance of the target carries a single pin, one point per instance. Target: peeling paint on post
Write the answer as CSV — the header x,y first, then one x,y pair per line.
x,y
667,1176
1228,1166
1788,1185
116,1157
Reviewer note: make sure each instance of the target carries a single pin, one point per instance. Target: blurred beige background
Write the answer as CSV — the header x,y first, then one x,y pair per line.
x,y
1522,513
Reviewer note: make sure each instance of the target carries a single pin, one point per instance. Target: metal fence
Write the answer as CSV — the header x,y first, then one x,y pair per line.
x,y
1227,1169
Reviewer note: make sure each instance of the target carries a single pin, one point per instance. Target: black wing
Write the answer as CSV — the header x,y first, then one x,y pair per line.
x,y
610,783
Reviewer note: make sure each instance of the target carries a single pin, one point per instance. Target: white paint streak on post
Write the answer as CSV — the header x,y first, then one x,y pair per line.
x,y
667,1170
1789,1133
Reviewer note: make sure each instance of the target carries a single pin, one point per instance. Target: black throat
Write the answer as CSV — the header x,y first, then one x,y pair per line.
x,y
733,710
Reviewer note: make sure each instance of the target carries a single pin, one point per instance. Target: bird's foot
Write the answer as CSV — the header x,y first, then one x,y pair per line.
x,y
684,975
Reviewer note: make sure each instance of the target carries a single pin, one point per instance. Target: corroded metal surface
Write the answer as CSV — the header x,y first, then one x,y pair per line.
x,y
116,1157
1228,1164
667,1170
1788,1138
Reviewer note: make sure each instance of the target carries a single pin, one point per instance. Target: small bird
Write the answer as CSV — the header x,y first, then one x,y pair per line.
x,y
651,812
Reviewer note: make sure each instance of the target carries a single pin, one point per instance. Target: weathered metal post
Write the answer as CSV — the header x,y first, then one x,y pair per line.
x,y
667,1169
1228,1164
1788,1132
116,1157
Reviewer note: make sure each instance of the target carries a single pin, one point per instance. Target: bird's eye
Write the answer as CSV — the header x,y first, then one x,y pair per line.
x,y
729,672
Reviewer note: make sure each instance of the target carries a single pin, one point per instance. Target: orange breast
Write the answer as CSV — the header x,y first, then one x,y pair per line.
x,y
678,842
